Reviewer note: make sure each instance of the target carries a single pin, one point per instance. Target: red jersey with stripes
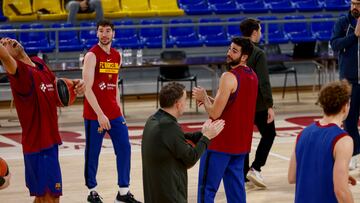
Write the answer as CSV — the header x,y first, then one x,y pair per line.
x,y
239,114
33,89
105,83
315,163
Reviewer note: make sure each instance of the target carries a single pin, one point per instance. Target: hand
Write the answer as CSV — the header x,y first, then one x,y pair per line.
x,y
271,115
199,94
103,122
357,28
79,87
7,181
212,129
352,180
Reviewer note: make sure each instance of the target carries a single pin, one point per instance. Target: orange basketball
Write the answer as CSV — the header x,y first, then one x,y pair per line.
x,y
4,169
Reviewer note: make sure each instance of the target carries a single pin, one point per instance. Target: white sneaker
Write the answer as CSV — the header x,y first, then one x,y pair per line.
x,y
255,177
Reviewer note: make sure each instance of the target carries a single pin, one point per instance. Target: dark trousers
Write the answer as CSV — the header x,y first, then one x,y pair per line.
x,y
352,120
267,132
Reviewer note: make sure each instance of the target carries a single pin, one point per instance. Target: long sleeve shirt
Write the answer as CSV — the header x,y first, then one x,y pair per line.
x,y
166,156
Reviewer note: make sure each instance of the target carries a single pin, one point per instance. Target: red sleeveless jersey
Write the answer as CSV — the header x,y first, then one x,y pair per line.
x,y
239,114
34,95
105,83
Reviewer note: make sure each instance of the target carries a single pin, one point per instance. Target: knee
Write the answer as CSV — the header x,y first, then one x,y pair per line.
x,y
73,6
95,3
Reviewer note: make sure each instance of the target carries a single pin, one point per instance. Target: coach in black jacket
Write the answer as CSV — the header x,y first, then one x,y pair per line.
x,y
166,154
345,40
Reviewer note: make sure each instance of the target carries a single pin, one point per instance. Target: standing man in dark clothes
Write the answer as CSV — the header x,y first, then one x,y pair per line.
x,y
166,154
264,116
345,40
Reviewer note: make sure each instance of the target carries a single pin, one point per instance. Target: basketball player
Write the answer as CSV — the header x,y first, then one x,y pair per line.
x,y
33,88
319,164
235,103
102,113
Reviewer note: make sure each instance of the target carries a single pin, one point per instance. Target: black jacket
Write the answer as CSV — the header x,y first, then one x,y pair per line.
x,y
257,61
345,42
166,156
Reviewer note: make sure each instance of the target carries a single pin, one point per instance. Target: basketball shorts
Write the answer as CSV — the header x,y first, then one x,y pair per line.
x,y
42,172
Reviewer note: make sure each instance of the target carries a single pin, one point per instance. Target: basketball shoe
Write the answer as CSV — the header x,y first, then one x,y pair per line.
x,y
255,177
128,198
94,197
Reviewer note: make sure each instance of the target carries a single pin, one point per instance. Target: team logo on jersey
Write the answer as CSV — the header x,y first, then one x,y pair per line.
x,y
58,186
102,85
108,67
43,87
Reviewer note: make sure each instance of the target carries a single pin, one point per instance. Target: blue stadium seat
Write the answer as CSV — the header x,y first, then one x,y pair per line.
x,y
151,37
298,31
68,40
34,42
195,7
7,34
213,35
276,33
252,6
88,37
224,6
322,30
234,30
336,5
183,36
307,5
280,6
126,37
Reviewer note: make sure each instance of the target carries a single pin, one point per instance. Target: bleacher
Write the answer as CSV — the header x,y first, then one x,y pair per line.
x,y
200,27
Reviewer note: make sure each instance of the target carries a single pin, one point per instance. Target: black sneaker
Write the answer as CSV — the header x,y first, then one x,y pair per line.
x,y
128,198
94,197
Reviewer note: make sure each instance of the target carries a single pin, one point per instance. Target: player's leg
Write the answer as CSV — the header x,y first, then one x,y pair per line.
x,y
234,180
212,167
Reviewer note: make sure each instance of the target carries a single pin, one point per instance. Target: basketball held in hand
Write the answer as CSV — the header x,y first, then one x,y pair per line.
x,y
4,169
65,89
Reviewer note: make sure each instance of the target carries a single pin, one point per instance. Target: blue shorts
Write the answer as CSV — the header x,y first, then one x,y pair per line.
x,y
42,172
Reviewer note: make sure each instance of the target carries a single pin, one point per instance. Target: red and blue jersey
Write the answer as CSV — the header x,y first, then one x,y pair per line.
x,y
105,83
34,95
238,114
315,163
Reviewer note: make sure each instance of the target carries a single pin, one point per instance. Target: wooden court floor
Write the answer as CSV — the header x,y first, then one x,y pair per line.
x,y
291,117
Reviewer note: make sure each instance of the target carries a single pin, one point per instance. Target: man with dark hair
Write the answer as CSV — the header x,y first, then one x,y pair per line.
x,y
33,87
320,161
235,103
83,6
102,113
345,40
264,116
166,152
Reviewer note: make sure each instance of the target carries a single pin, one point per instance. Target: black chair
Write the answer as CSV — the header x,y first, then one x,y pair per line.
x,y
280,68
178,73
121,87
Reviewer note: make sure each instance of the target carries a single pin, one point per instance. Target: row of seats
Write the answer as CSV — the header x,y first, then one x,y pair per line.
x,y
184,36
200,7
31,10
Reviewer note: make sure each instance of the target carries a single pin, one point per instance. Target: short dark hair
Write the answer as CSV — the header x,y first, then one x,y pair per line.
x,y
333,96
171,93
103,23
246,45
248,26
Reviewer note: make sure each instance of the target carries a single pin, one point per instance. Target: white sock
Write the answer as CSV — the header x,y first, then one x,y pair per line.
x,y
92,189
123,190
